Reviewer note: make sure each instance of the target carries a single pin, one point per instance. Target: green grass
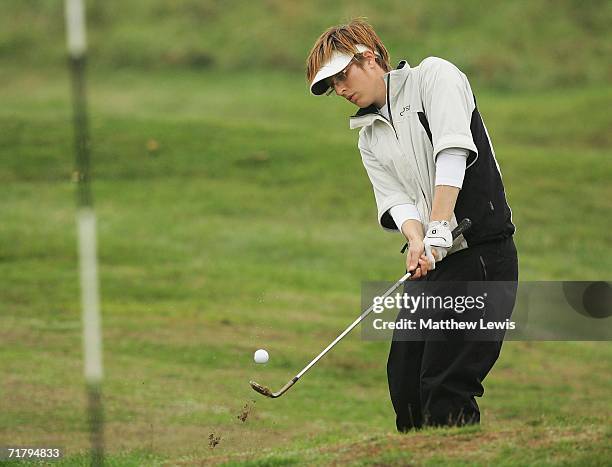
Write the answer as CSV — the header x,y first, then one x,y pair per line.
x,y
520,45
253,225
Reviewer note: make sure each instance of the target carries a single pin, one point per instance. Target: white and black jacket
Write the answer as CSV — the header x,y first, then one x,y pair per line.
x,y
431,108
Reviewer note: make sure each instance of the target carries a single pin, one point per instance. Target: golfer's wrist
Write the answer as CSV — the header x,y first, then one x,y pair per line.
x,y
413,230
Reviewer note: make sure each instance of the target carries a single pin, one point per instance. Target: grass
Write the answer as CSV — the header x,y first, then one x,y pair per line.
x,y
252,224
519,45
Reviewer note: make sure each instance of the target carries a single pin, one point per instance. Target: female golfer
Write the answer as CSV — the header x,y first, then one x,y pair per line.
x,y
431,163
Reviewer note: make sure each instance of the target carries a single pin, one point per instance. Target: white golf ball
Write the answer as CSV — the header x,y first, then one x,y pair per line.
x,y
261,356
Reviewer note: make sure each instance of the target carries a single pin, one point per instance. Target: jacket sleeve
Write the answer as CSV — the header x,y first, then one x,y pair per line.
x,y
388,191
448,105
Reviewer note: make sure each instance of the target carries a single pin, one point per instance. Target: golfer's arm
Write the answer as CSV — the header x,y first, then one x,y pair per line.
x,y
445,197
444,201
443,207
412,229
450,171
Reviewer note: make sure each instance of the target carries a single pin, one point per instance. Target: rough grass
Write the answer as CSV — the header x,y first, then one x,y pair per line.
x,y
252,224
519,45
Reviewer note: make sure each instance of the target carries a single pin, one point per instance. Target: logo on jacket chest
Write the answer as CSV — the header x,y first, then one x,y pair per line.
x,y
404,110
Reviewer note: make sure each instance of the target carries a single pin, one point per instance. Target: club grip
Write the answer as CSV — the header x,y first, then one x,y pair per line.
x,y
463,226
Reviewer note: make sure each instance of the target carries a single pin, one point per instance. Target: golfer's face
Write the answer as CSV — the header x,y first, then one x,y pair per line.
x,y
355,85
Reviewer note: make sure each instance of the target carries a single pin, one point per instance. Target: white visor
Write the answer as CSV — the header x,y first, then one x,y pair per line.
x,y
335,64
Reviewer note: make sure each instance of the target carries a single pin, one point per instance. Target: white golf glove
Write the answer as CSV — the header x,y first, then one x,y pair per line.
x,y
438,241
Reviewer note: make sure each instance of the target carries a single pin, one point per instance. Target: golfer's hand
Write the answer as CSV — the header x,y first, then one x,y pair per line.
x,y
438,241
416,261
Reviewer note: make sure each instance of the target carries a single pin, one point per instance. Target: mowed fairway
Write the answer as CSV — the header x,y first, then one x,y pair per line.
x,y
234,214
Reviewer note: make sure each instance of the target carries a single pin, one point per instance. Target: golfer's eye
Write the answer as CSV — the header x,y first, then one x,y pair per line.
x,y
340,77
330,86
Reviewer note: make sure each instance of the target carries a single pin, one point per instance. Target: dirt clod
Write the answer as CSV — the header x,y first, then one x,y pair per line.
x,y
213,440
244,414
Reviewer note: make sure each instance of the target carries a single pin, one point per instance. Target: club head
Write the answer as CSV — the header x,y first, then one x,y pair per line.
x,y
264,391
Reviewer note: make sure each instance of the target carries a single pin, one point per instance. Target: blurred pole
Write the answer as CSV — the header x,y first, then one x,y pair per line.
x,y
86,221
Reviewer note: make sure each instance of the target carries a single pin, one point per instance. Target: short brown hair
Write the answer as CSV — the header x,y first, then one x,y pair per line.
x,y
344,38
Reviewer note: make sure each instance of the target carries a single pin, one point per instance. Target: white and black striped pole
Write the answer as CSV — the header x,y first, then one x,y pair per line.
x,y
86,221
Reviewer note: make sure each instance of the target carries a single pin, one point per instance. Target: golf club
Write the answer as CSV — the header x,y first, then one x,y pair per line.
x,y
463,226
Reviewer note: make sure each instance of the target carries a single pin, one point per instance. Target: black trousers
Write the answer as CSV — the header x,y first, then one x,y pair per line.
x,y
435,382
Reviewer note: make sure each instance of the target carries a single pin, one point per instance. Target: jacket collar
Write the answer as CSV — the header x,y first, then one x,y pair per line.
x,y
366,115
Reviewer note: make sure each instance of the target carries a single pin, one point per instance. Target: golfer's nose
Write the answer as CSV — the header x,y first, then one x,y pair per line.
x,y
340,89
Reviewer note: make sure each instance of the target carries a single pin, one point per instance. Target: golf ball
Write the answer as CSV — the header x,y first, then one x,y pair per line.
x,y
261,356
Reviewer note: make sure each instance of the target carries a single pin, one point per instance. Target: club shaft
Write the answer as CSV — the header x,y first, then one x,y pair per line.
x,y
350,328
463,226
